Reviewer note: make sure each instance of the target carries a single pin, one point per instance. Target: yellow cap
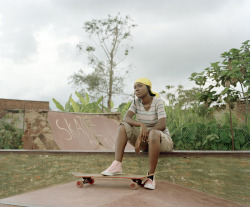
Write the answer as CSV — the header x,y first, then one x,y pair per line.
x,y
147,82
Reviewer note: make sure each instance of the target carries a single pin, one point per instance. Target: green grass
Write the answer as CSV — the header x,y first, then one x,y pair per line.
x,y
223,177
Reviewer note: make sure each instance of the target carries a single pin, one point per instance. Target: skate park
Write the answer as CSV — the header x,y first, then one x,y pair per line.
x,y
72,132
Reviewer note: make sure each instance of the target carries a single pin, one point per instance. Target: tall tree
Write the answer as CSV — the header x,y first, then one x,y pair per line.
x,y
233,71
107,48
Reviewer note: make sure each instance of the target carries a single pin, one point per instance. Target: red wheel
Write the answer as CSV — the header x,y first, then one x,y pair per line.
x,y
79,184
91,181
134,186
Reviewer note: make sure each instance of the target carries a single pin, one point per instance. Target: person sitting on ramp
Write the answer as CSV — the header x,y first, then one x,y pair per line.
x,y
152,134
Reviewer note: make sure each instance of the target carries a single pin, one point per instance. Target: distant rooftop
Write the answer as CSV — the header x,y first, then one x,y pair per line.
x,y
21,100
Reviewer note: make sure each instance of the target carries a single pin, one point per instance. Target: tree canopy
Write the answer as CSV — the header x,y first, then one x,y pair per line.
x,y
232,75
107,48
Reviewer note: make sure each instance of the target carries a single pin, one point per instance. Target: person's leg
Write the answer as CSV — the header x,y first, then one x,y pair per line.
x,y
154,140
125,133
166,143
121,142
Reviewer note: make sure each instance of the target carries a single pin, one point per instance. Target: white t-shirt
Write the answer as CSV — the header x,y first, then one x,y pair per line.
x,y
149,118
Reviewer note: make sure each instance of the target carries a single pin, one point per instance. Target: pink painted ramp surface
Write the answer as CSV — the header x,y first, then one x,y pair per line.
x,y
76,131
113,193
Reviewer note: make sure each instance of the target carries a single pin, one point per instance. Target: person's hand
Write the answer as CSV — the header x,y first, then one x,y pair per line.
x,y
138,144
144,132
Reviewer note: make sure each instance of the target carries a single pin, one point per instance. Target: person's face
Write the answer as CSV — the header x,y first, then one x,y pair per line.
x,y
140,90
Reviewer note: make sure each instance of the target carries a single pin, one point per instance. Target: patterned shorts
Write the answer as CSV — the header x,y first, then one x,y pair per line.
x,y
166,144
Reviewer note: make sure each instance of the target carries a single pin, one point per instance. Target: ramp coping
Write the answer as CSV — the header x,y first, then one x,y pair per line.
x,y
185,153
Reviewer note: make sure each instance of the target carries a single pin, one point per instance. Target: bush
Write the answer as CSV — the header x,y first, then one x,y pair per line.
x,y
10,136
192,132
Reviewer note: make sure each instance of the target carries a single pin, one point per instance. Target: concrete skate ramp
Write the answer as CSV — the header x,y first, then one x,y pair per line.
x,y
76,131
107,193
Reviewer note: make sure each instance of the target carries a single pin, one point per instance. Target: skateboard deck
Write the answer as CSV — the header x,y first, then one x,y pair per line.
x,y
138,180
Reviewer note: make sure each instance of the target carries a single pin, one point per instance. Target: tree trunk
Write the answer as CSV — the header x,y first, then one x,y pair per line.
x,y
231,124
110,83
102,104
247,103
112,70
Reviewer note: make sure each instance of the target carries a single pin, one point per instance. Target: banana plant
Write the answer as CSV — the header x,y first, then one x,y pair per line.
x,y
75,105
67,108
58,105
82,106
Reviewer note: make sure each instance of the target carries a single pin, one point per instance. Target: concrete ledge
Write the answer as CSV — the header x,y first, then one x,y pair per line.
x,y
174,153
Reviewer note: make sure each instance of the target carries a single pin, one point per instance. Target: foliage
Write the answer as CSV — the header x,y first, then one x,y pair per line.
x,y
10,136
233,71
83,105
190,131
185,100
107,49
123,107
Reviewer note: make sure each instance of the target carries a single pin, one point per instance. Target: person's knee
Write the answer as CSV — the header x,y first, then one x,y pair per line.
x,y
122,128
154,136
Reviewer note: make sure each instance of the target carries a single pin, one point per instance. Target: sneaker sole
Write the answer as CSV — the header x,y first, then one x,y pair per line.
x,y
149,187
111,174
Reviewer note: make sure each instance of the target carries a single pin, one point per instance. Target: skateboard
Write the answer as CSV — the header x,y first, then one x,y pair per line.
x,y
89,178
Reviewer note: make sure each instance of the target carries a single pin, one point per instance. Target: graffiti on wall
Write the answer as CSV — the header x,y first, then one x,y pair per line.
x,y
84,131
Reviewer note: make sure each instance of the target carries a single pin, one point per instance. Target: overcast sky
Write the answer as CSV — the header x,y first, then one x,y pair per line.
x,y
174,38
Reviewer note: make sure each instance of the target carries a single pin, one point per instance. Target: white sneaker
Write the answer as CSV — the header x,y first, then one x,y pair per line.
x,y
149,183
114,169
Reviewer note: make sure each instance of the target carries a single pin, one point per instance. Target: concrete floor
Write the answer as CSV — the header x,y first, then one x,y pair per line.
x,y
114,193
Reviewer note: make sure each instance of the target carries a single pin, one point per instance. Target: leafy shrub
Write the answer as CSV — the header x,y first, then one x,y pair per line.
x,y
201,133
10,136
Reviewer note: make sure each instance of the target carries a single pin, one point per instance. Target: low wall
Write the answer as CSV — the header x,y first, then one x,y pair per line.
x,y
13,104
50,130
38,133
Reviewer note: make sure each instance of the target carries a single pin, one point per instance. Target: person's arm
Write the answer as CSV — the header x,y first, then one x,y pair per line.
x,y
143,136
161,125
128,118
143,129
162,120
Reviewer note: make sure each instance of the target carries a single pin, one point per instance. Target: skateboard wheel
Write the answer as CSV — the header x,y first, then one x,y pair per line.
x,y
79,184
134,186
91,181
